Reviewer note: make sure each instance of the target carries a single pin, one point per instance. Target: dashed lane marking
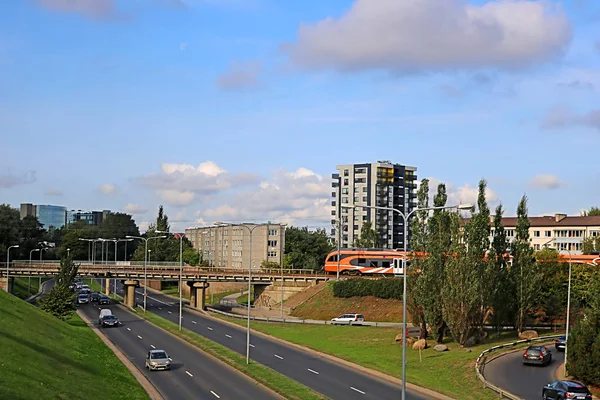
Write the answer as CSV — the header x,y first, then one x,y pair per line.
x,y
313,371
188,372
281,358
216,395
356,390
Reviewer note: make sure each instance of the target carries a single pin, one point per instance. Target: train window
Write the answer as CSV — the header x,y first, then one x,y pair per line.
x,y
332,258
362,261
385,264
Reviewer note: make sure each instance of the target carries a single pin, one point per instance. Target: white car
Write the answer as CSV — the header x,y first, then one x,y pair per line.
x,y
348,319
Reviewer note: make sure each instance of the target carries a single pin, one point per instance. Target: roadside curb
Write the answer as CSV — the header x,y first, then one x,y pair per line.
x,y
150,389
205,353
348,364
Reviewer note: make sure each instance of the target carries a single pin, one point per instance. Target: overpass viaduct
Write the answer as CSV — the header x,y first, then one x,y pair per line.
x,y
198,279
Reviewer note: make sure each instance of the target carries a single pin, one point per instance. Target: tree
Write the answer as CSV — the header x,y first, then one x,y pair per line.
x,y
305,249
553,300
369,237
502,293
592,212
525,270
591,245
118,226
10,223
60,301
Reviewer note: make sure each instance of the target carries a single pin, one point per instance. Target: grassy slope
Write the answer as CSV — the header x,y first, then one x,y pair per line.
x,y
325,306
21,287
451,373
44,358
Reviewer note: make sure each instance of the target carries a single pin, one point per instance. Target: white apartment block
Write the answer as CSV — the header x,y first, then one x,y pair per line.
x,y
560,231
229,245
381,184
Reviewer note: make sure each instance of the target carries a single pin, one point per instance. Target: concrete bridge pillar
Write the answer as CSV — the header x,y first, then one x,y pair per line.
x,y
10,284
107,288
129,289
198,293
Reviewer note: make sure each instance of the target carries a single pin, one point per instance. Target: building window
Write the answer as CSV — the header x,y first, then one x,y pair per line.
x,y
356,218
345,200
594,233
364,198
271,254
360,170
356,199
346,172
360,180
548,234
273,232
536,247
365,189
536,234
510,232
272,243
344,190
344,210
345,182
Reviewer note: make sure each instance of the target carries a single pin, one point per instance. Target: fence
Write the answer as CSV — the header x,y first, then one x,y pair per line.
x,y
481,361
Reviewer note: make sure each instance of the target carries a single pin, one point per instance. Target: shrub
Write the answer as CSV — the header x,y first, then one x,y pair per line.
x,y
381,288
584,350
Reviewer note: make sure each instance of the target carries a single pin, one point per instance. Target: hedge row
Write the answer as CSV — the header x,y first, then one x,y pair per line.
x,y
382,288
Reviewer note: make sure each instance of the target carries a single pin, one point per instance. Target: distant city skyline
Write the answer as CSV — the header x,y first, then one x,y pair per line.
x,y
240,110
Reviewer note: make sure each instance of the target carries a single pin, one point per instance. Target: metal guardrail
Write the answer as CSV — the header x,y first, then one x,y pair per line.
x,y
481,361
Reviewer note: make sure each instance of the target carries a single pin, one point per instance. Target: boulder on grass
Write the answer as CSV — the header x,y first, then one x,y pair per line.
x,y
440,347
420,345
472,341
409,341
528,335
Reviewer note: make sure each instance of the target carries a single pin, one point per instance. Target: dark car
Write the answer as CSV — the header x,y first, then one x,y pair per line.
x,y
561,343
566,390
94,297
104,300
539,355
110,320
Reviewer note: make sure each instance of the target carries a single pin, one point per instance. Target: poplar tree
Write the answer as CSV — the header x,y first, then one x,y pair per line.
x,y
525,270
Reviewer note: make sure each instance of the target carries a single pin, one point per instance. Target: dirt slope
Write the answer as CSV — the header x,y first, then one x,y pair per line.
x,y
324,305
304,295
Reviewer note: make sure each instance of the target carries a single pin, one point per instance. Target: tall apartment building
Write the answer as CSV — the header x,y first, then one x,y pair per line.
x,y
382,184
229,246
89,217
58,216
561,232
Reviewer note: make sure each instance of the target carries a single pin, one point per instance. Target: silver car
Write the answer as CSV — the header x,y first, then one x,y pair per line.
x,y
157,359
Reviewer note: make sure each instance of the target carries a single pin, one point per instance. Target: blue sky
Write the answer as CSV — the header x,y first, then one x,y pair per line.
x,y
241,109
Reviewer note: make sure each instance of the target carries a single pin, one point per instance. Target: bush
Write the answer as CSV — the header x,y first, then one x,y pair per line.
x,y
381,288
584,350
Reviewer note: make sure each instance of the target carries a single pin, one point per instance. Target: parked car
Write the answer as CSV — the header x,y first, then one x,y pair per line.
x,y
561,343
539,355
348,319
83,298
109,320
103,300
566,390
94,297
157,359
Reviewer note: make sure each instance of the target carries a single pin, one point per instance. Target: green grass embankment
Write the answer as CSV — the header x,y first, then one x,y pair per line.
x,y
450,373
45,358
24,287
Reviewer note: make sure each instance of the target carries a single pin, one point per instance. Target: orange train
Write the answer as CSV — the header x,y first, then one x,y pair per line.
x,y
381,262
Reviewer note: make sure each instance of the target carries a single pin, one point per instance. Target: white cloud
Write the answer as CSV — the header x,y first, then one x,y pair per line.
x,y
298,197
183,46
144,225
181,184
546,181
562,117
132,208
240,77
10,179
53,192
465,194
108,188
413,35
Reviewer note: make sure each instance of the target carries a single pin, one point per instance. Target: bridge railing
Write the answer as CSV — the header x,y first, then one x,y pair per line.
x,y
482,360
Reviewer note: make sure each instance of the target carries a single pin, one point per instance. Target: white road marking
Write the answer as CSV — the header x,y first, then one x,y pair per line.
x,y
152,346
216,395
129,329
160,308
193,322
356,390
169,312
209,328
170,359
251,345
313,371
139,336
188,372
228,336
281,358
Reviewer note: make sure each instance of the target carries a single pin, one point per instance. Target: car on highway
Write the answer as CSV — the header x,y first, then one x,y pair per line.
x,y
103,300
83,298
566,390
95,297
84,286
157,359
539,355
348,319
109,320
561,343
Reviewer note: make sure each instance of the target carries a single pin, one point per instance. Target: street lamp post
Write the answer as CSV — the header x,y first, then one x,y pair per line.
x,y
179,236
250,230
68,253
568,311
30,260
145,261
8,262
405,219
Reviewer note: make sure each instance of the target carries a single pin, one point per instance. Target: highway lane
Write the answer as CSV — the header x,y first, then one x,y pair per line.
x,y
194,375
330,379
526,381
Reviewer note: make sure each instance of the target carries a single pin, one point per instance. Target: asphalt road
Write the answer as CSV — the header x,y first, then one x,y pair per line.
x,y
193,374
330,379
526,381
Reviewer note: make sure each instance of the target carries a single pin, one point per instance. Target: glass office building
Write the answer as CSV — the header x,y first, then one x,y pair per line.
x,y
48,216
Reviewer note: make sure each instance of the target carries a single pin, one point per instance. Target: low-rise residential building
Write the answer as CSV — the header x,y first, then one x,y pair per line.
x,y
560,231
229,245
